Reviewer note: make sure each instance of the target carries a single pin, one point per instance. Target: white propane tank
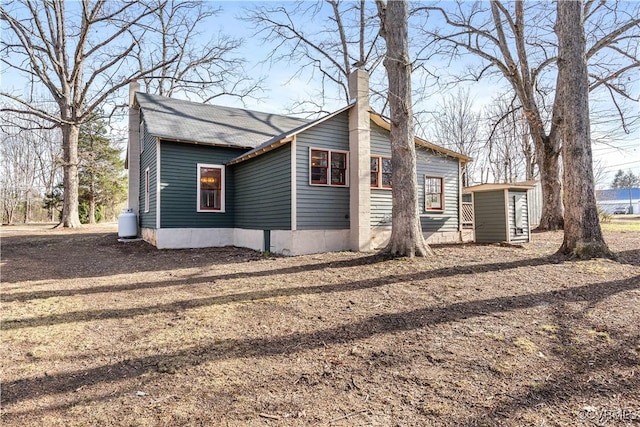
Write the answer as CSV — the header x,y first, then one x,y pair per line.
x,y
127,224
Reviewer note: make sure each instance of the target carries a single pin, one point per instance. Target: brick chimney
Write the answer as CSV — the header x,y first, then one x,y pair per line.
x,y
359,162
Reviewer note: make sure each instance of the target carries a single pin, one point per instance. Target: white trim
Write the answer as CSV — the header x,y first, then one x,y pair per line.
x,y
141,136
294,184
147,190
328,176
223,192
157,182
442,198
506,215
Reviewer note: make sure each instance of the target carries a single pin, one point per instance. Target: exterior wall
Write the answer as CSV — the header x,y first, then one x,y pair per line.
x,y
524,211
489,216
263,191
178,185
148,159
380,197
427,163
432,164
303,242
321,207
185,238
285,242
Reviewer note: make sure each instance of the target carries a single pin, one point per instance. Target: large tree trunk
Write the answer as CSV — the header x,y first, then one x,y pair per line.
x,y
70,217
582,233
406,230
548,158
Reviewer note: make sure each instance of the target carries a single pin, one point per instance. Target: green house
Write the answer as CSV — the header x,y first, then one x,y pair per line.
x,y
204,175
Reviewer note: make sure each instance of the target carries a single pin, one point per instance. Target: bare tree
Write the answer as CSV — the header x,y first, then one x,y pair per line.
x,y
18,174
329,38
83,54
202,70
456,126
508,153
512,40
406,230
582,234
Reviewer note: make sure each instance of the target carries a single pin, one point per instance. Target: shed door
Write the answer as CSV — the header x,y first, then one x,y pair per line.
x,y
519,206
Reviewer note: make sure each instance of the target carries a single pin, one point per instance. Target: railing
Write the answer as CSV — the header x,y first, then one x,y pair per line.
x,y
467,215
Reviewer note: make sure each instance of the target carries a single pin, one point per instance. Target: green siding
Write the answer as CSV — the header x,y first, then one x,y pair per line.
x,y
148,159
434,164
427,163
489,216
321,207
178,185
381,206
263,191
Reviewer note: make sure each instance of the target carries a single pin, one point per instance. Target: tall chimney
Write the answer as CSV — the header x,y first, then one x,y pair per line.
x,y
133,149
359,162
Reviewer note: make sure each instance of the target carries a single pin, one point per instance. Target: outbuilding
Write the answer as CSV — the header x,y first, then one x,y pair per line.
x,y
501,212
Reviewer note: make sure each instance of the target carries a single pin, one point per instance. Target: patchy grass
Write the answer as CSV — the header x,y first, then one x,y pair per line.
x,y
615,225
124,334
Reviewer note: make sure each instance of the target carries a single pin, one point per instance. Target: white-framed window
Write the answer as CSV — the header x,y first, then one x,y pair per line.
x,y
433,193
328,167
141,136
210,188
146,190
381,172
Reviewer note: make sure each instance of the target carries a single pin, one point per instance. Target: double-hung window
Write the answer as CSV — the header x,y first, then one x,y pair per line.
x,y
381,172
433,193
210,188
328,167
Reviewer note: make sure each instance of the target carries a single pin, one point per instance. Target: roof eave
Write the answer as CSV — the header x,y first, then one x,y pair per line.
x,y
380,121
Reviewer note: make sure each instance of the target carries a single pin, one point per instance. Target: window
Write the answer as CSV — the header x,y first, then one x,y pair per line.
x,y
433,194
146,190
328,167
381,172
210,188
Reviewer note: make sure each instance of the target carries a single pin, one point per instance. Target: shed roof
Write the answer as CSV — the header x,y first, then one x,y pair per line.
x,y
194,122
522,186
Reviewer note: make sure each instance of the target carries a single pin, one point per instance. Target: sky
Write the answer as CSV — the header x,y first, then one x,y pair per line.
x,y
282,88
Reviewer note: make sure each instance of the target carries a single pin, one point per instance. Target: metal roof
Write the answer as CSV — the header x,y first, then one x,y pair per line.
x,y
193,122
620,194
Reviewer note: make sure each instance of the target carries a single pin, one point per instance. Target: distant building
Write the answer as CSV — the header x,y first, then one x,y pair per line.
x,y
619,201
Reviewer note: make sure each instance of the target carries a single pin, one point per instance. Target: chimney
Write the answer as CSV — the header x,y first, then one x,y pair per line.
x,y
133,149
359,162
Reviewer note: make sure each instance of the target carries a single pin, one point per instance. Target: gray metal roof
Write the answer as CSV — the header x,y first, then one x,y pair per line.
x,y
194,122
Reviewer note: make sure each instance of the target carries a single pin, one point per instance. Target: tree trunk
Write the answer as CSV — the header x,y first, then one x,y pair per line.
x,y
92,201
70,217
406,229
582,234
548,157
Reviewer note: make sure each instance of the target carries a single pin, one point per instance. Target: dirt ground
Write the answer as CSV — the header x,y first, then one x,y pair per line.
x,y
101,333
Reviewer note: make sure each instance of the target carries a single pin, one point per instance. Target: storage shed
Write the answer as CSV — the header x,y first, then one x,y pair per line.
x,y
501,212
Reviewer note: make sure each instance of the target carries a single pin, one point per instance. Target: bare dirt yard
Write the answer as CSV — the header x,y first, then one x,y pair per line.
x,y
101,333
